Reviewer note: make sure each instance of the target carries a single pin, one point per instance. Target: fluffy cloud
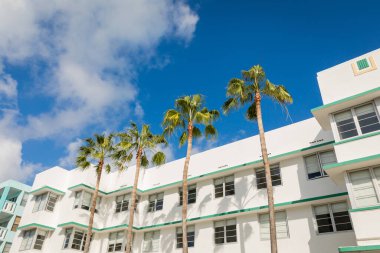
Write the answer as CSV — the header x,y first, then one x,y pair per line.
x,y
90,50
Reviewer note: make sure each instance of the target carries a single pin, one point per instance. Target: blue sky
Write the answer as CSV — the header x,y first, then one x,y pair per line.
x,y
64,77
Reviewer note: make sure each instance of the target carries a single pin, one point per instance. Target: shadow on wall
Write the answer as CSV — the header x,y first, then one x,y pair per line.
x,y
168,240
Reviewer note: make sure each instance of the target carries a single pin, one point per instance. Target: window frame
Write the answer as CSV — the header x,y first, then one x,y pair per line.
x,y
155,202
33,239
46,204
80,203
224,186
318,154
225,231
286,221
176,237
374,182
275,164
188,189
123,243
71,239
122,202
355,119
24,199
159,238
329,206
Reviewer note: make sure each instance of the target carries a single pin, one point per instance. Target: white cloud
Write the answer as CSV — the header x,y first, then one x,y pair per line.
x,y
90,49
68,161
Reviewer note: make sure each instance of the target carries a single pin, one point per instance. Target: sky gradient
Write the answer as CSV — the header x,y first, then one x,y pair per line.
x,y
61,82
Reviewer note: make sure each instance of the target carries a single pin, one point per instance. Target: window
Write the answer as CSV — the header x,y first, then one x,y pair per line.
x,y
116,242
16,223
190,236
74,239
83,200
225,231
314,163
275,173
332,217
151,241
356,121
45,201
281,225
224,186
191,194
122,202
366,186
33,237
156,202
24,199
7,248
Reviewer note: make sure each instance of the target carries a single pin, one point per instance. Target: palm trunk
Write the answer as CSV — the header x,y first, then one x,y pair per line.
x,y
133,202
93,206
184,188
272,219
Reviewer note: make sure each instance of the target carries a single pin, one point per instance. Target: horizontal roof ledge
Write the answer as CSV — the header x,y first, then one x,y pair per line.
x,y
45,189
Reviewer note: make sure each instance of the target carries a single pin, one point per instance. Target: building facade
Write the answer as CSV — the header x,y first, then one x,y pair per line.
x,y
13,199
324,170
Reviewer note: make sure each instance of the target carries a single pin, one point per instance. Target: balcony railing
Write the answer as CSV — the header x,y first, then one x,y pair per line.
x,y
9,206
3,233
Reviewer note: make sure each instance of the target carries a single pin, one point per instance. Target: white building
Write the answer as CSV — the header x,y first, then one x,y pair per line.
x,y
327,187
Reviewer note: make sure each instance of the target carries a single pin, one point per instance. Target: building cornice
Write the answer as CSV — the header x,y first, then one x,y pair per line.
x,y
46,188
359,248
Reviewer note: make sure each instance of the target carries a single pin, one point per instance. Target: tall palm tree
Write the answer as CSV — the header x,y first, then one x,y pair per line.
x,y
250,90
143,144
98,150
188,112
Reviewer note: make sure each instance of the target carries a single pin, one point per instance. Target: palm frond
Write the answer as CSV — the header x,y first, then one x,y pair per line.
x,y
144,161
210,131
251,113
197,133
159,158
183,138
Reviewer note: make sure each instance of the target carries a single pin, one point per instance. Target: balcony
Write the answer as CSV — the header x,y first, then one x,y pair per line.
x,y
9,206
3,233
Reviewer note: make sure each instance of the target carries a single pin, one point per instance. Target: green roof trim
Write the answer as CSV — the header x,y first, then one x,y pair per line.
x,y
32,225
364,209
357,138
363,159
345,99
207,174
359,248
48,188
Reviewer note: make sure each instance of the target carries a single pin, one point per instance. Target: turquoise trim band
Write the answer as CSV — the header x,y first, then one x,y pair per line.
x,y
213,215
345,99
33,225
358,160
357,138
48,188
207,174
364,209
359,248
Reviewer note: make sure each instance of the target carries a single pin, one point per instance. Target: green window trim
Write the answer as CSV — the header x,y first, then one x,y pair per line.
x,y
359,248
364,209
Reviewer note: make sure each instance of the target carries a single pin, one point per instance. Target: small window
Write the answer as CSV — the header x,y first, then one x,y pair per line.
x,y
366,186
45,201
357,121
275,173
116,242
224,186
24,199
151,241
156,202
33,238
83,201
225,231
122,203
314,163
192,194
16,223
363,65
190,236
281,225
75,239
332,217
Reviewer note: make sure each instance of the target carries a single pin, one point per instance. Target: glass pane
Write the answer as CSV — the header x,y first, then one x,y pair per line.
x,y
346,125
327,157
367,118
312,166
364,191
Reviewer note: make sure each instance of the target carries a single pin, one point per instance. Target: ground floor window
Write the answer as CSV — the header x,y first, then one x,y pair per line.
x,y
33,239
281,225
116,242
225,231
190,236
75,239
332,217
151,241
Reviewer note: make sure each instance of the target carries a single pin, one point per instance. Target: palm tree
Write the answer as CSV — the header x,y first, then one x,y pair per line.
x,y
187,113
141,143
98,150
250,90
